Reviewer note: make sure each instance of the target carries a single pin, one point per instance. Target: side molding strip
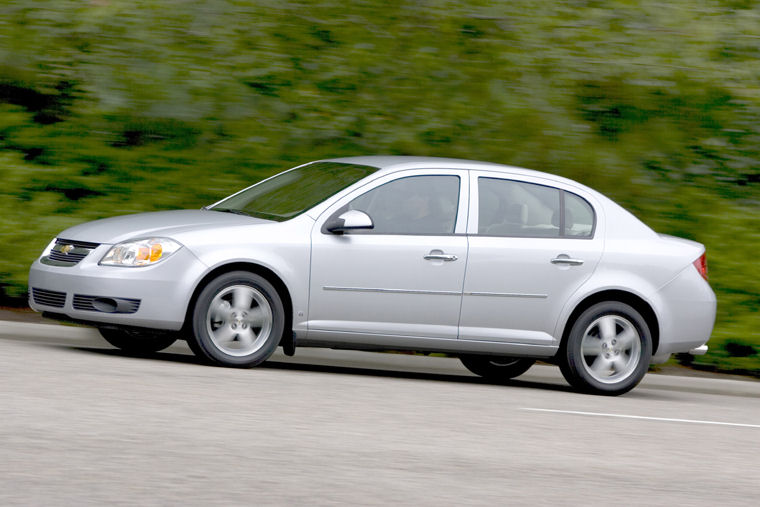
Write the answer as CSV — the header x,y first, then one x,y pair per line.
x,y
434,292
507,295
394,291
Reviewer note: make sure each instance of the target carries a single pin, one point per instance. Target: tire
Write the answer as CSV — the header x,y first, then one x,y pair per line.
x,y
607,350
497,369
137,342
238,320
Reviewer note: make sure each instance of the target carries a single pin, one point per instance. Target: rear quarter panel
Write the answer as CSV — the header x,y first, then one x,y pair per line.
x,y
638,261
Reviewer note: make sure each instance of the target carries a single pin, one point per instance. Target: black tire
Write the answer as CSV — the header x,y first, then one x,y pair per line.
x,y
613,364
497,369
231,335
137,342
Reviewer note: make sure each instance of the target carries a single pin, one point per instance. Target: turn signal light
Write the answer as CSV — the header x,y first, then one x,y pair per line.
x,y
155,252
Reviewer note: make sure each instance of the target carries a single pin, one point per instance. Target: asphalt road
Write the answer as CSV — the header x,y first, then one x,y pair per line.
x,y
84,424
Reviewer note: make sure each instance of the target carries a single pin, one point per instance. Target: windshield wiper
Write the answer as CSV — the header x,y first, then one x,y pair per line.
x,y
230,210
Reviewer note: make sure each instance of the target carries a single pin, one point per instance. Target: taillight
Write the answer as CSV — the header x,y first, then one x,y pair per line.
x,y
701,265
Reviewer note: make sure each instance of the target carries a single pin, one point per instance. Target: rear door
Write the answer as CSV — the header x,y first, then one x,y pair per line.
x,y
531,245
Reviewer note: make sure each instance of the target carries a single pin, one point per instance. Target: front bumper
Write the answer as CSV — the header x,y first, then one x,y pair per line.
x,y
163,290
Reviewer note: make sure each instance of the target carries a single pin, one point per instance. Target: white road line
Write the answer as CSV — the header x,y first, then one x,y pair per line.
x,y
624,416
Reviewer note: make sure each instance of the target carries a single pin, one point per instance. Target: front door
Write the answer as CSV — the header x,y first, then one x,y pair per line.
x,y
404,277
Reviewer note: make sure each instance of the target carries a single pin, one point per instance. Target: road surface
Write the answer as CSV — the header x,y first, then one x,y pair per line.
x,y
84,424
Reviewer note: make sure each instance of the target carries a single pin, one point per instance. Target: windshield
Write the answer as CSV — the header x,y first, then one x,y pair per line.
x,y
291,193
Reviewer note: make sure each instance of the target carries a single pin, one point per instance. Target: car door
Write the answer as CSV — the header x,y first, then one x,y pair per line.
x,y
531,245
403,277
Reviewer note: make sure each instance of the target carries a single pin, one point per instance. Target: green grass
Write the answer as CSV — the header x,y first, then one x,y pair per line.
x,y
112,107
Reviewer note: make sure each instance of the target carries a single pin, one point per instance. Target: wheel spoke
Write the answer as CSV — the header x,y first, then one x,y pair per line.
x,y
224,335
607,327
256,317
601,365
626,338
242,298
246,338
592,346
619,363
220,312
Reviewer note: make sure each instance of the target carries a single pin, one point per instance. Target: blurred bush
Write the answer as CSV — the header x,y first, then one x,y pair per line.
x,y
113,106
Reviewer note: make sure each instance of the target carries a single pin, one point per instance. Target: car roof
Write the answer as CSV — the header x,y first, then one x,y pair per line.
x,y
393,163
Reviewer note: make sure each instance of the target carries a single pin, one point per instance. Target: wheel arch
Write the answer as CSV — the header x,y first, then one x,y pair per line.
x,y
639,304
251,267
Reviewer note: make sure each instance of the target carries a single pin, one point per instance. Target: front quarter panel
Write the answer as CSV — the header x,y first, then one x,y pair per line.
x,y
281,247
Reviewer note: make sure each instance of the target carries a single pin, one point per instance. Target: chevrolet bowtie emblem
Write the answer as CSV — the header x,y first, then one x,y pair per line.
x,y
65,249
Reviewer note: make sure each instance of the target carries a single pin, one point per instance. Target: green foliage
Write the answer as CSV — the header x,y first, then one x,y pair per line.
x,y
113,106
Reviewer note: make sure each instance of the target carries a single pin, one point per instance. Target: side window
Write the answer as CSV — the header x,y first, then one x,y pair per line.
x,y
579,217
514,208
411,205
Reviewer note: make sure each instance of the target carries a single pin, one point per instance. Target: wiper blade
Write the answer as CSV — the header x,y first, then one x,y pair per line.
x,y
230,210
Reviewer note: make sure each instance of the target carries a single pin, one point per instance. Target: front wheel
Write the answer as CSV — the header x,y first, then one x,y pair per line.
x,y
497,369
238,320
608,349
137,342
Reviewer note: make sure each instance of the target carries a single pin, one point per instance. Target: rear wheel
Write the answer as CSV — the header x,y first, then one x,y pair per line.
x,y
497,369
136,341
238,320
608,349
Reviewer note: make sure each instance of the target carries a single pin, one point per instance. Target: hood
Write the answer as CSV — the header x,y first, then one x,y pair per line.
x,y
161,223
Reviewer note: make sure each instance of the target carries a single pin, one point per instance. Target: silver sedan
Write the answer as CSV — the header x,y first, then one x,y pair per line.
x,y
497,265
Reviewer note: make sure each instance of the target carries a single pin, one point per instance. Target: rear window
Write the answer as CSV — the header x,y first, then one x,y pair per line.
x,y
512,208
516,208
579,217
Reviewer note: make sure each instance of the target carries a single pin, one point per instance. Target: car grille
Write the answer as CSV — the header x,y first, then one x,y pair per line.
x,y
49,297
105,304
71,252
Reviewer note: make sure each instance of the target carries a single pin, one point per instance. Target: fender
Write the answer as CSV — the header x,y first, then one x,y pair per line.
x,y
281,250
606,279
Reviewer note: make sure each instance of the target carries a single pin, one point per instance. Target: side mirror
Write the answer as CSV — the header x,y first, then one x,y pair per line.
x,y
349,220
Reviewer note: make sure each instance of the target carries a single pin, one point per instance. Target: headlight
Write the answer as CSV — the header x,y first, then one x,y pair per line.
x,y
140,252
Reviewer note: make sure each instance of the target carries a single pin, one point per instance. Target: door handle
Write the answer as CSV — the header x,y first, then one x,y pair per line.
x,y
440,257
564,259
